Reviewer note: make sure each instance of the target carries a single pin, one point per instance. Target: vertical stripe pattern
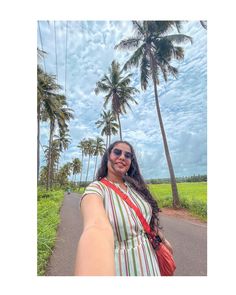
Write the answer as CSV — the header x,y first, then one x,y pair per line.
x,y
134,255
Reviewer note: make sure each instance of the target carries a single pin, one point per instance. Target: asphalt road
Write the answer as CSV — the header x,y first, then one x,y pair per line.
x,y
188,239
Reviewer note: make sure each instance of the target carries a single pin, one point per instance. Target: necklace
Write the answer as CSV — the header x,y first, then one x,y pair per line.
x,y
122,185
116,182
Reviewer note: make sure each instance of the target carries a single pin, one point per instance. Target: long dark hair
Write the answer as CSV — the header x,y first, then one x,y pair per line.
x,y
134,178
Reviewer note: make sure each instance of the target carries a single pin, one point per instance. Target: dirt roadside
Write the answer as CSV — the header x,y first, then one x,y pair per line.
x,y
181,213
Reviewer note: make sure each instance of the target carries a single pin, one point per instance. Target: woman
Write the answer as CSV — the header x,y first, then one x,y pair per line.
x,y
113,241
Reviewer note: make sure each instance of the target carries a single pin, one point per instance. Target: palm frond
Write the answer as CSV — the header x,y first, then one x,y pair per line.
x,y
179,38
178,52
129,43
107,98
162,28
204,24
145,72
135,58
101,87
173,70
138,28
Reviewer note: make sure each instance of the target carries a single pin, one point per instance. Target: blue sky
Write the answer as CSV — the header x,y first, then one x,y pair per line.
x,y
183,101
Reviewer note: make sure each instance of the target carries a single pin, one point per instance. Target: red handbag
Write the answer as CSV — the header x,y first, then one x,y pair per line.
x,y
165,258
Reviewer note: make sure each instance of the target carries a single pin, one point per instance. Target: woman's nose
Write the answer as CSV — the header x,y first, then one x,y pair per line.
x,y
122,155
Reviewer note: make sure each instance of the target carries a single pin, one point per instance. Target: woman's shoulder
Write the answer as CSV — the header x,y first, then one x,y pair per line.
x,y
95,184
95,187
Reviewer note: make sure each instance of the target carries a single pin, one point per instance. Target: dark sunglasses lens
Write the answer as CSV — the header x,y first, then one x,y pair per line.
x,y
128,155
117,152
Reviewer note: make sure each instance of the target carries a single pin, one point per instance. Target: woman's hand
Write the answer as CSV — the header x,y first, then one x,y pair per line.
x,y
165,241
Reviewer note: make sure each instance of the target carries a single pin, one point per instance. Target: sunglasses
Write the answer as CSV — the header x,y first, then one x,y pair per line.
x,y
118,152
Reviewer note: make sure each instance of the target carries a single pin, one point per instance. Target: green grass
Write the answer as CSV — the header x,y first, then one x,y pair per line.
x,y
49,204
80,191
193,196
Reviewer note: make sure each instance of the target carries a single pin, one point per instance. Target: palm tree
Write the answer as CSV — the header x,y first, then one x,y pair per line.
x,y
89,150
82,146
45,102
59,115
54,154
54,118
63,139
154,50
43,175
40,55
98,150
64,173
76,167
118,91
107,120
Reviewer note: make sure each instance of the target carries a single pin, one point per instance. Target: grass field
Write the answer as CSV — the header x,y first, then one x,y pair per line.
x,y
49,204
193,196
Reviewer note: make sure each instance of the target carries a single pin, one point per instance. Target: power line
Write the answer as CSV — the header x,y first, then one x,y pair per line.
x,y
40,37
66,58
55,38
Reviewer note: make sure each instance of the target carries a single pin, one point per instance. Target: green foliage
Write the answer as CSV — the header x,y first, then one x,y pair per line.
x,y
49,204
193,196
194,178
43,193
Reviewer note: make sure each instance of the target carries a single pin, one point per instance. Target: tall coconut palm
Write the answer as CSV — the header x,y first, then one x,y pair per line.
x,y
63,139
154,50
59,115
82,146
89,150
54,154
64,173
118,90
76,167
108,121
46,103
43,175
99,149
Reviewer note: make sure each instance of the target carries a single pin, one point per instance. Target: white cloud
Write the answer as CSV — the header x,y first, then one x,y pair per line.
x,y
182,100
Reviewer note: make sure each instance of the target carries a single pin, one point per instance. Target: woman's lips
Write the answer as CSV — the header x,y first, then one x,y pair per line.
x,y
121,164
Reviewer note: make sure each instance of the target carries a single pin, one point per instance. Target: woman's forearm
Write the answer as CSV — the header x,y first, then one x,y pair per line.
x,y
95,253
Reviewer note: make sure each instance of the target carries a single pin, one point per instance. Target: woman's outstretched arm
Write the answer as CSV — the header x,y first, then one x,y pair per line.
x,y
95,252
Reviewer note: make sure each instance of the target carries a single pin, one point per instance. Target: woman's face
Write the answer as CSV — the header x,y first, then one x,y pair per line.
x,y
119,159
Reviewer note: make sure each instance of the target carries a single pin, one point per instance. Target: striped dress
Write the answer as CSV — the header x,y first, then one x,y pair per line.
x,y
134,255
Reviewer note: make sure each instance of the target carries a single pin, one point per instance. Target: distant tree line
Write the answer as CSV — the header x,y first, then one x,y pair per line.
x,y
194,178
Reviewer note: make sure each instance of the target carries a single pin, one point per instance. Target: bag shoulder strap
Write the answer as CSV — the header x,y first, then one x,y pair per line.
x,y
129,202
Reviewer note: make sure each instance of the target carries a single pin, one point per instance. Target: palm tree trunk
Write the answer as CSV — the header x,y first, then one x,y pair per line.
x,y
81,169
87,171
49,154
95,167
118,116
106,141
38,136
75,179
176,201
